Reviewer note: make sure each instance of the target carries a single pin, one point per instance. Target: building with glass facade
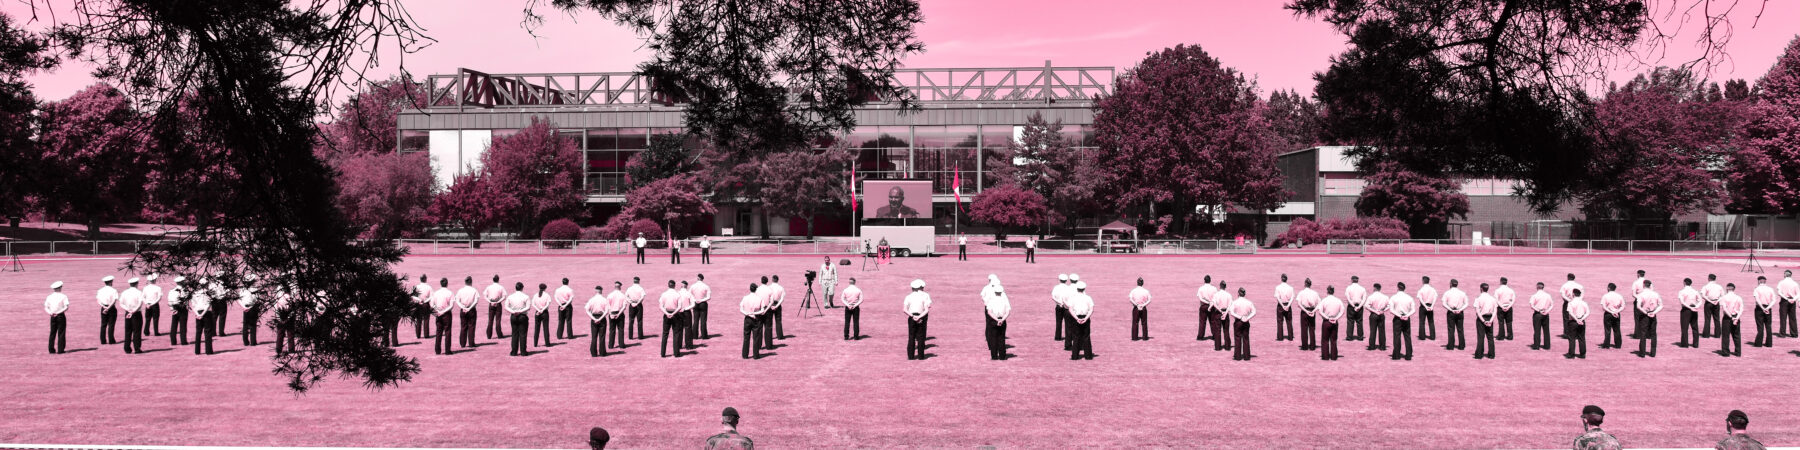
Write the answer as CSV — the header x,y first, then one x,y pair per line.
x,y
966,116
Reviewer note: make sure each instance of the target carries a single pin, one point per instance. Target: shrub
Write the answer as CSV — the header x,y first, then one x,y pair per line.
x,y
1303,231
560,233
623,227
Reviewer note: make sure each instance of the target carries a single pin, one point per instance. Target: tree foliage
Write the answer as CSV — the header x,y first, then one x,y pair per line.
x,y
92,142
1765,176
539,168
1045,161
668,155
673,202
803,183
387,194
1655,140
368,122
1182,130
475,203
1010,206
21,54
1297,120
1303,231
1424,201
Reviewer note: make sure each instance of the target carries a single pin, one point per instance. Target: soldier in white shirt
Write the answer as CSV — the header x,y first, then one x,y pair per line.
x,y
109,312
634,327
1377,306
442,301
1540,318
670,304
705,250
131,303
685,318
1284,311
618,306
751,306
495,294
962,249
640,243
1031,250
1355,296
1506,297
1060,294
565,310
178,312
1241,311
852,297
1613,304
1427,297
997,308
674,250
252,318
421,316
1221,305
1649,303
56,304
1567,292
540,317
1764,313
1455,302
1789,291
517,305
1308,300
201,302
1403,307
596,313
917,307
1637,316
767,327
1730,331
1577,329
1690,313
1140,311
1081,311
153,295
1487,312
777,296
1205,294
1712,292
702,293
221,305
466,299
1331,310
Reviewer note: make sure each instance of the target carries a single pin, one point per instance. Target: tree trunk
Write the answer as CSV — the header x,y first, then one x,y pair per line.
x,y
475,238
93,229
812,225
765,222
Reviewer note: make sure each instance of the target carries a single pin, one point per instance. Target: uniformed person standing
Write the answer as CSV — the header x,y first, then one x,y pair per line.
x,y
1506,297
917,307
1576,331
670,303
1427,297
466,299
1712,292
1308,299
201,302
634,327
997,308
852,297
1649,302
1081,311
131,304
1613,304
153,295
618,307
56,305
495,294
962,247
442,302
252,318
540,323
109,312
565,310
1140,311
1568,292
1331,310
640,243
767,327
1355,296
1377,306
178,311
1284,310
1060,295
1789,291
1730,331
1241,310
1735,423
674,250
777,296
1205,294
751,306
1763,313
517,305
221,306
1540,318
1690,313
1403,308
1031,250
1487,312
684,318
1455,302
421,316
1637,316
596,312
283,338
705,250
702,293
1221,305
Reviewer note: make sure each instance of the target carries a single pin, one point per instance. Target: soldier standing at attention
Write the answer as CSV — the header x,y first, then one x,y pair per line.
x,y
1540,318
997,307
1730,331
442,302
494,294
1735,423
109,312
684,319
1764,311
828,279
1377,305
1331,309
1568,293
178,312
131,302
565,310
1487,311
56,304
1592,437
466,299
702,293
1284,310
1455,301
1712,292
917,307
1308,299
751,306
1427,297
962,247
1355,296
1221,306
1060,295
153,295
516,306
1506,297
422,313
1031,250
777,296
852,298
705,250
1403,308
1206,311
252,318
1789,290
540,324
221,307
674,250
201,302
1613,304
1242,310
1140,311
596,312
640,243
1690,313
1576,331
1637,316
1649,303
634,328
1081,309
617,309
670,303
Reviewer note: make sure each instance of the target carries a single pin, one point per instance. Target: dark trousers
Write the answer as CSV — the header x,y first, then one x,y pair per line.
x,y
1731,337
469,322
1241,352
1567,321
1456,339
852,323
1309,328
1765,336
1484,340
1710,322
1353,329
1284,323
565,323
1505,333
252,319
1328,341
1031,255
109,319
1788,328
674,256
1221,330
1609,331
178,327
421,320
634,328
203,337
996,338
1540,330
1690,321
753,339
1576,333
520,321
685,323
1648,334
775,315
390,333
1061,314
671,331
134,333
1082,339
59,333
700,315
616,331
493,324
706,256
1403,338
1637,322
540,329
281,339
222,313
1427,324
1140,323
962,252
153,320
640,255
915,338
441,343
597,337
1205,321
767,328
1377,329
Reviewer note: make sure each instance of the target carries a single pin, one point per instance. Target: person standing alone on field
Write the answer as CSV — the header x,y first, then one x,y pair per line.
x,y
640,243
1140,311
56,304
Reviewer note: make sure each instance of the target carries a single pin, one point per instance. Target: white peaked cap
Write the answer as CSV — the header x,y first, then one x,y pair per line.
x,y
918,284
1081,285
151,277
1074,277
1062,277
133,280
179,278
56,285
107,279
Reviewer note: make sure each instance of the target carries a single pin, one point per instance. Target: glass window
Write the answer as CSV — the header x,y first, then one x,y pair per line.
x,y
415,141
634,138
602,139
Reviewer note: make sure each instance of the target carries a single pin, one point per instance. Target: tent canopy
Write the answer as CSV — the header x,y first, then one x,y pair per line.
x,y
1118,226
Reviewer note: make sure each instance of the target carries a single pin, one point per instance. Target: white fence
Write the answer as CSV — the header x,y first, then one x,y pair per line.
x,y
1559,247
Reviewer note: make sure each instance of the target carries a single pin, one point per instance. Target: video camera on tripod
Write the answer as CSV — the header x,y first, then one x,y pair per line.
x,y
809,301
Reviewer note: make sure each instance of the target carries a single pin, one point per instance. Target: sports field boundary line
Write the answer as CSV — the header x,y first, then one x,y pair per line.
x,y
192,447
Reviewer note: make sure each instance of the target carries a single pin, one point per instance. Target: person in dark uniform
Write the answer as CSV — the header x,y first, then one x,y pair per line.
x,y
1592,437
56,304
729,439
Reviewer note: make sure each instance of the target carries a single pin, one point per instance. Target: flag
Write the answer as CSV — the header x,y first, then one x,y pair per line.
x,y
853,204
956,187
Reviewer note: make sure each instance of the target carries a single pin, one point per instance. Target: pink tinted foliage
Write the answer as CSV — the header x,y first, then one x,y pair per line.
x,y
368,121
1414,197
1303,231
389,194
540,169
560,233
675,201
93,145
473,202
1046,161
1654,139
803,183
1765,176
1010,206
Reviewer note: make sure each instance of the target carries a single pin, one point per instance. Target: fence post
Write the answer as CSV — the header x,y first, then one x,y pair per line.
x,y
96,248
1590,245
1631,247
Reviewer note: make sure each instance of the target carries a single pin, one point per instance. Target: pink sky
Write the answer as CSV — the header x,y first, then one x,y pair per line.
x,y
1257,37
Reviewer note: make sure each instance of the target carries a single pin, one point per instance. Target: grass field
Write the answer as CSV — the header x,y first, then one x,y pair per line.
x,y
820,391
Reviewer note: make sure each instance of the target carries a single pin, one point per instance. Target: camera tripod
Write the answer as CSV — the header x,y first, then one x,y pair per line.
x,y
810,302
1751,264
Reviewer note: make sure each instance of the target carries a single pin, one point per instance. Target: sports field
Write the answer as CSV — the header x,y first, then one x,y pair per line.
x,y
821,391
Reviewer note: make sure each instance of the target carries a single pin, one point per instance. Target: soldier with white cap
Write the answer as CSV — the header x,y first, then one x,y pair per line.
x,y
917,306
997,308
178,311
1140,311
252,313
1059,294
495,294
153,295
596,312
1068,315
1205,294
131,302
1081,310
201,302
109,312
56,304
852,298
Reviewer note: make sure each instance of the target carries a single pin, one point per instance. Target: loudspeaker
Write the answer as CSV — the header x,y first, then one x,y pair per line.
x,y
844,262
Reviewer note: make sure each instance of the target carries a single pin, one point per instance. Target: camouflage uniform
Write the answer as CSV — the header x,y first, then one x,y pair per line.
x,y
729,440
1596,439
1739,442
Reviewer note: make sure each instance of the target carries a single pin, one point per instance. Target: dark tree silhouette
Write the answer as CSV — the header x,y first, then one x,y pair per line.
x,y
539,168
91,142
668,155
1765,176
1424,201
1045,161
21,53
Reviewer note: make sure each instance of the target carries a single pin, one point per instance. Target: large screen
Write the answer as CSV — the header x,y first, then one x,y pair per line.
x,y
896,199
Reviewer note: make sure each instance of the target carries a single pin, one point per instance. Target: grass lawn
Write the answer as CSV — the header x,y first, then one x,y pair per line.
x,y
821,391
